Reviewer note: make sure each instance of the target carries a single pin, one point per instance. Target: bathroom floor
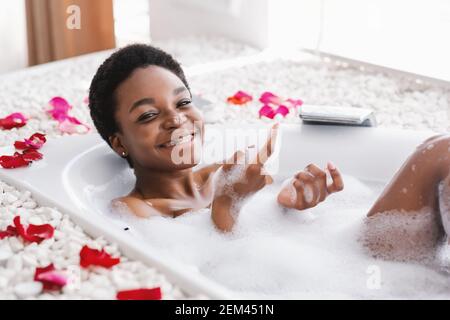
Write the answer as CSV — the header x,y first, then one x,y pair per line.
x,y
398,101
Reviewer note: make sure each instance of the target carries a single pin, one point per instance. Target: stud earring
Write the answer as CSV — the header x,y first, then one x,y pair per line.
x,y
124,154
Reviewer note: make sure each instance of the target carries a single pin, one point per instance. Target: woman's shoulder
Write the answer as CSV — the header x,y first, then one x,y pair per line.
x,y
136,205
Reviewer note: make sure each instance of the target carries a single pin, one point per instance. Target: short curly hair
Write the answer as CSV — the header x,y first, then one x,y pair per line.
x,y
112,72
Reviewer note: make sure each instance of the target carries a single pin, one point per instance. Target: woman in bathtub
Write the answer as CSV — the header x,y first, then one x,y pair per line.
x,y
141,105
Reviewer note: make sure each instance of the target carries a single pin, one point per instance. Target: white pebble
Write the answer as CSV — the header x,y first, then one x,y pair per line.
x,y
111,249
15,244
58,235
28,289
98,280
56,215
3,282
35,220
46,244
10,198
29,204
16,204
58,244
29,260
8,188
98,294
25,195
15,263
5,254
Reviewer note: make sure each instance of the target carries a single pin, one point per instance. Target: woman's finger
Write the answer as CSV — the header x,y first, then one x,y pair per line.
x,y
337,181
320,180
266,151
299,199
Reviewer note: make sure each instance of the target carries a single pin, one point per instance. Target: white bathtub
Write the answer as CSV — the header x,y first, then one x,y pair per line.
x,y
76,168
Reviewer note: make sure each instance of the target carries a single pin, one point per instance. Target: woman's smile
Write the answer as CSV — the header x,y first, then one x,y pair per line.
x,y
179,138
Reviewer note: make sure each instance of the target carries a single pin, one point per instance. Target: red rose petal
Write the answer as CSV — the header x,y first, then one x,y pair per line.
x,y
38,271
36,141
140,294
240,98
20,145
14,120
4,234
31,155
15,161
50,278
95,257
43,231
9,232
34,233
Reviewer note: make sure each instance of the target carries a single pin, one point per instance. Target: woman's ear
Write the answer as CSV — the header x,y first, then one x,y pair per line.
x,y
117,145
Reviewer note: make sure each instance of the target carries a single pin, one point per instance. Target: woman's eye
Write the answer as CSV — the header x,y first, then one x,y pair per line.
x,y
146,116
184,103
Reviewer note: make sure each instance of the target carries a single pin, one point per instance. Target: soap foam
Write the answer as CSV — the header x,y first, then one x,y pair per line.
x,y
275,252
403,236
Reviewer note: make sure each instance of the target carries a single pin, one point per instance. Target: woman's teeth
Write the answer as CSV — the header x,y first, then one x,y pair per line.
x,y
180,140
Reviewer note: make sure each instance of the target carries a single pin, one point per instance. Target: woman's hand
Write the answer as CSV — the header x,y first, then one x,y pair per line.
x,y
238,179
309,187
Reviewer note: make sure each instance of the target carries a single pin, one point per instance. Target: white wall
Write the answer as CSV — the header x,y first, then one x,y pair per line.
x,y
410,35
131,21
13,35
242,20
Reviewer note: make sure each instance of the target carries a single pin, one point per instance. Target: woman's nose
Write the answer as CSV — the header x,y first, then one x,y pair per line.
x,y
174,121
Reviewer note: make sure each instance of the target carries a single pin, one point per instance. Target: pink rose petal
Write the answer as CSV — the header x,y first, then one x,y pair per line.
x,y
283,110
268,97
60,112
295,102
266,111
73,126
59,103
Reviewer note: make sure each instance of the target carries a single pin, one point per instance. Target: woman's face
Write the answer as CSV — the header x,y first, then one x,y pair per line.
x,y
160,127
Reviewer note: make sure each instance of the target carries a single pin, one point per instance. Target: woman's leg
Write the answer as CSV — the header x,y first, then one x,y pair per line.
x,y
406,219
415,185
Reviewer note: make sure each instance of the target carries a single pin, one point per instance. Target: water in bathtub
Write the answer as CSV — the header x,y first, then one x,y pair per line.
x,y
279,253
